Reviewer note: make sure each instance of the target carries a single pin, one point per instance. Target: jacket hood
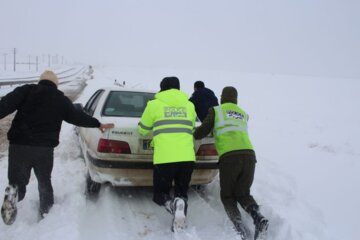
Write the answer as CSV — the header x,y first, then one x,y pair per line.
x,y
48,83
172,97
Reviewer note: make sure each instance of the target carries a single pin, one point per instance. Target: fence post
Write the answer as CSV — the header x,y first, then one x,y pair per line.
x,y
14,59
5,61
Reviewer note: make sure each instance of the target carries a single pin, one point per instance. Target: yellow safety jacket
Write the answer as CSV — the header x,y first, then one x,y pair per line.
x,y
171,118
231,129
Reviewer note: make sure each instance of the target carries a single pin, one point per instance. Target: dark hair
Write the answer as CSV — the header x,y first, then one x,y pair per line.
x,y
199,84
169,83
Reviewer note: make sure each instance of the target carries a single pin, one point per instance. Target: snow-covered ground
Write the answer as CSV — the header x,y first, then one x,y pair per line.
x,y
304,130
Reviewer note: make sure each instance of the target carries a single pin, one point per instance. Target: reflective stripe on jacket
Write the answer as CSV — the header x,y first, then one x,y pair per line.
x,y
171,118
231,129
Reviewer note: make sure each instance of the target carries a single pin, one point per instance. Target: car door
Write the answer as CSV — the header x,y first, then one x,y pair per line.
x,y
86,134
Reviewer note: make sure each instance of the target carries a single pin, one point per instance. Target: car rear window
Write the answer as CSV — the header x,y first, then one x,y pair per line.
x,y
126,104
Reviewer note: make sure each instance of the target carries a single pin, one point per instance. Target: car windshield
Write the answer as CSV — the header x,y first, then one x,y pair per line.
x,y
126,104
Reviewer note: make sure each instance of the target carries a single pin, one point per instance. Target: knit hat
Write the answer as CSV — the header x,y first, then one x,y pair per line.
x,y
169,83
199,84
229,95
50,76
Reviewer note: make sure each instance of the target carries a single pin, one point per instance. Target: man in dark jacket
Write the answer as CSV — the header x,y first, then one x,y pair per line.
x,y
236,160
203,99
33,135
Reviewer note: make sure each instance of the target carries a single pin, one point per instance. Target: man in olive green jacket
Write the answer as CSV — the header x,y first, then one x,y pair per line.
x,y
236,160
171,118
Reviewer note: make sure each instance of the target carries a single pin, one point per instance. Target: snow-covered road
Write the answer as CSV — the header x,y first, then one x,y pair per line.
x,y
117,214
289,182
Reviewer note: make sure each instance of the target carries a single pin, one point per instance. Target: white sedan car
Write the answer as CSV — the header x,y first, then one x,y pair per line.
x,y
122,157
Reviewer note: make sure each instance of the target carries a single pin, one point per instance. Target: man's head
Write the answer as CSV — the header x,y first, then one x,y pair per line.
x,y
198,85
229,95
50,76
169,83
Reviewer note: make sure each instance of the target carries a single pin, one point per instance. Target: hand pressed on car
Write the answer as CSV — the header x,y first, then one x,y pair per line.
x,y
105,126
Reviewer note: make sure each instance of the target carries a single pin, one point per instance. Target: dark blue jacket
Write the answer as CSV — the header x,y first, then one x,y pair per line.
x,y
203,99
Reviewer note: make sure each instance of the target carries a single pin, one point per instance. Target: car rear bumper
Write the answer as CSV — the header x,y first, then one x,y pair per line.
x,y
102,163
127,173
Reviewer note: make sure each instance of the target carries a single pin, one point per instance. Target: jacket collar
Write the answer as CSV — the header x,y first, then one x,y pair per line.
x,y
48,83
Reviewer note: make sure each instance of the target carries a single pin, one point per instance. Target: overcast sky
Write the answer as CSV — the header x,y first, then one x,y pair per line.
x,y
308,37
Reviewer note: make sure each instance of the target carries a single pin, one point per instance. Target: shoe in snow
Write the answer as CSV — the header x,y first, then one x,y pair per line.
x,y
261,229
240,229
43,213
179,207
169,206
8,209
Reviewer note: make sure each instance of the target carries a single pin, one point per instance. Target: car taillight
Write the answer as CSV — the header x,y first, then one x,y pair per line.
x,y
207,150
113,146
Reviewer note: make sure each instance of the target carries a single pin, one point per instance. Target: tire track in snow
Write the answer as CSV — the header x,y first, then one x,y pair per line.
x,y
130,213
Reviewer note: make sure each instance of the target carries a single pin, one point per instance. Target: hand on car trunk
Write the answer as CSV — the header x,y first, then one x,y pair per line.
x,y
105,126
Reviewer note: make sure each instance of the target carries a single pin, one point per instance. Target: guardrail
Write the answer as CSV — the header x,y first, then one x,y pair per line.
x,y
61,75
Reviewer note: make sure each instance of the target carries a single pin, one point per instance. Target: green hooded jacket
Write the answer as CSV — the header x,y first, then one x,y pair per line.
x,y
171,118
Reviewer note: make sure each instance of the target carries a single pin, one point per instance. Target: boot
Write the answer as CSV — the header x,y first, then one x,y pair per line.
x,y
46,197
169,206
260,222
8,209
179,207
234,215
44,210
240,228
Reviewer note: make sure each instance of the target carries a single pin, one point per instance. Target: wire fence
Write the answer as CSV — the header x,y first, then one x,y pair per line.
x,y
14,60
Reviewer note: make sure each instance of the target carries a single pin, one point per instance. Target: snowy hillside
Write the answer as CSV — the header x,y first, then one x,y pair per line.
x,y
304,131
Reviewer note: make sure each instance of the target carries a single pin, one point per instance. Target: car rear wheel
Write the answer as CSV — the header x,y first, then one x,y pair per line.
x,y
92,188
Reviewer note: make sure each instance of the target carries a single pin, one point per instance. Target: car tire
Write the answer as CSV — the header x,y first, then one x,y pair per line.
x,y
92,188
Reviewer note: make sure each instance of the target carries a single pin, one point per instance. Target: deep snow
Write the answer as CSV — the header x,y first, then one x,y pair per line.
x,y
304,131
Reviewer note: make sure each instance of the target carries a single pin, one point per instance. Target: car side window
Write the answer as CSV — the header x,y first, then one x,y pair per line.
x,y
89,102
93,101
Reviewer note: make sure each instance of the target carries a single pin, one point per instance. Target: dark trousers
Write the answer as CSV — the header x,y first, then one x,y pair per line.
x,y
163,177
24,158
236,177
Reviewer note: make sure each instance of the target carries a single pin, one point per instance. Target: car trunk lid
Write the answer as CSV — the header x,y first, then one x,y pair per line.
x,y
126,131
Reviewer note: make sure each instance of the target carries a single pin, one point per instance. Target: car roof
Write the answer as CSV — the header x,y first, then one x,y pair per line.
x,y
129,89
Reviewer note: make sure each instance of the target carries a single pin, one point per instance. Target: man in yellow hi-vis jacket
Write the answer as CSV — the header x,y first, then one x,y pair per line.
x,y
171,118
